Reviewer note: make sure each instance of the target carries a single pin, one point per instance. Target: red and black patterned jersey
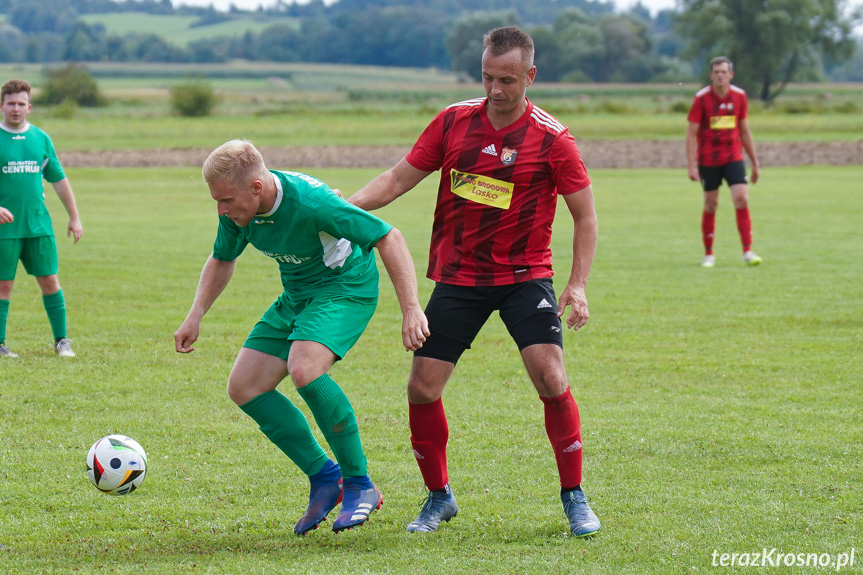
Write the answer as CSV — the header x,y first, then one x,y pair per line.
x,y
718,122
497,194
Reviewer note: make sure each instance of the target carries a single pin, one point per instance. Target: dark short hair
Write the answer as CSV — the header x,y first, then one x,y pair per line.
x,y
721,60
502,40
13,87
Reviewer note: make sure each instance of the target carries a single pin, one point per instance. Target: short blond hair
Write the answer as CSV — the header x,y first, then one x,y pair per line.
x,y
235,161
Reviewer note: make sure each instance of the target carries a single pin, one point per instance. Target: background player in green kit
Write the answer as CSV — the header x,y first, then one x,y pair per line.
x,y
323,246
26,233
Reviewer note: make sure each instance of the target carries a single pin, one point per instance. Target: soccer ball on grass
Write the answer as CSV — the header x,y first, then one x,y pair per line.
x,y
116,464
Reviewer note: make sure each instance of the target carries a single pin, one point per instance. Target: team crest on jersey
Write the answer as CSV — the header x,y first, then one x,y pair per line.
x,y
507,156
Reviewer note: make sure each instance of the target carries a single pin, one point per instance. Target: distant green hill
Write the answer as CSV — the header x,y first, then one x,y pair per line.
x,y
181,29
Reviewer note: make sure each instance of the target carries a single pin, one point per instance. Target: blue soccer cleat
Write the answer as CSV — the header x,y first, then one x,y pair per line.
x,y
357,505
326,492
438,506
582,520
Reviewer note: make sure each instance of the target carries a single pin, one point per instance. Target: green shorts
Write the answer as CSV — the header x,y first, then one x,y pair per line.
x,y
336,321
39,256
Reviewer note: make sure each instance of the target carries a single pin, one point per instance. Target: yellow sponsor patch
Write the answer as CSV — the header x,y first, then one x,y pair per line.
x,y
482,189
723,122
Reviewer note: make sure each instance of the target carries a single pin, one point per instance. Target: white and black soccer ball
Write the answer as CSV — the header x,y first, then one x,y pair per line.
x,y
116,464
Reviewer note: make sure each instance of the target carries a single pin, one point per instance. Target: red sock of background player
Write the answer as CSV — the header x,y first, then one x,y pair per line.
x,y
744,226
563,427
708,226
429,436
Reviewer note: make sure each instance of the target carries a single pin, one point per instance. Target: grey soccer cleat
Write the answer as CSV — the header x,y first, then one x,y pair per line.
x,y
438,506
63,348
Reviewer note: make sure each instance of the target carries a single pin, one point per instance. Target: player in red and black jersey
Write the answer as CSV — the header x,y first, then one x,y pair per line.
x,y
503,162
717,135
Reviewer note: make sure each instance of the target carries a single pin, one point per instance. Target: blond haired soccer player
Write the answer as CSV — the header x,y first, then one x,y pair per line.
x,y
26,157
324,249
716,136
503,163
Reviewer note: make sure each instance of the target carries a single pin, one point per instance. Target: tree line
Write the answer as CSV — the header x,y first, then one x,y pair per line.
x,y
576,40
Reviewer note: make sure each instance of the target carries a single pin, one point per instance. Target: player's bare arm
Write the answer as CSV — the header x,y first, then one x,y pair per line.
x,y
6,216
584,238
397,259
64,191
749,145
214,278
388,186
692,151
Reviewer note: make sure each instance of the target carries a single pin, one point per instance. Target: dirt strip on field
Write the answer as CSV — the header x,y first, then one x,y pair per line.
x,y
597,154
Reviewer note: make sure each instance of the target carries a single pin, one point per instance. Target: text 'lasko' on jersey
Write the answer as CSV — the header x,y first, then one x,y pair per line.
x,y
482,189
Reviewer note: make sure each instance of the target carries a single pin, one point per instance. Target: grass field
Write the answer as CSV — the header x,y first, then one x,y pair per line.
x,y
182,30
318,104
721,408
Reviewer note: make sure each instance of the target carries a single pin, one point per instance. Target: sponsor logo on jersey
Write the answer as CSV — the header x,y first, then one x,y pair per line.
x,y
723,122
23,167
490,150
507,156
482,189
285,258
310,180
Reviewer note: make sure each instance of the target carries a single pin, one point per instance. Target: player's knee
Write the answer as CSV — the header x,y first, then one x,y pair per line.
x,y
303,372
420,391
48,284
551,384
237,391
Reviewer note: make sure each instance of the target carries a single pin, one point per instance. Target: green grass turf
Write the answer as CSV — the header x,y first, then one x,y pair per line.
x,y
181,30
720,408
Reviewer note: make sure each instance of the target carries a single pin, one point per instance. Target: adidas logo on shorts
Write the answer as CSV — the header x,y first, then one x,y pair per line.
x,y
543,304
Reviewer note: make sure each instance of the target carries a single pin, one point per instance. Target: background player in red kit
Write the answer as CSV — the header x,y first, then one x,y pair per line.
x,y
718,133
503,162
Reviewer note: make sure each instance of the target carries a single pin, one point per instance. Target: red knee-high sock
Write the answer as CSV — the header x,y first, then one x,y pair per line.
x,y
708,227
429,436
744,226
563,427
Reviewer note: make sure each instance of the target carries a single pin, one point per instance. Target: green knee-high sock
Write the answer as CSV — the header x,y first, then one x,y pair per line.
x,y
335,416
55,307
4,315
286,426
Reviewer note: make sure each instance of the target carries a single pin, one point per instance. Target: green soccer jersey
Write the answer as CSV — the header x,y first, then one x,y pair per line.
x,y
323,244
26,156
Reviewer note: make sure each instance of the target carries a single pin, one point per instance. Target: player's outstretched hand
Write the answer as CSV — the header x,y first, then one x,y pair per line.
x,y
579,314
75,229
415,330
693,175
185,336
6,216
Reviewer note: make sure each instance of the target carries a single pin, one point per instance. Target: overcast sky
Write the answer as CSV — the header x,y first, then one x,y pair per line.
x,y
653,5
